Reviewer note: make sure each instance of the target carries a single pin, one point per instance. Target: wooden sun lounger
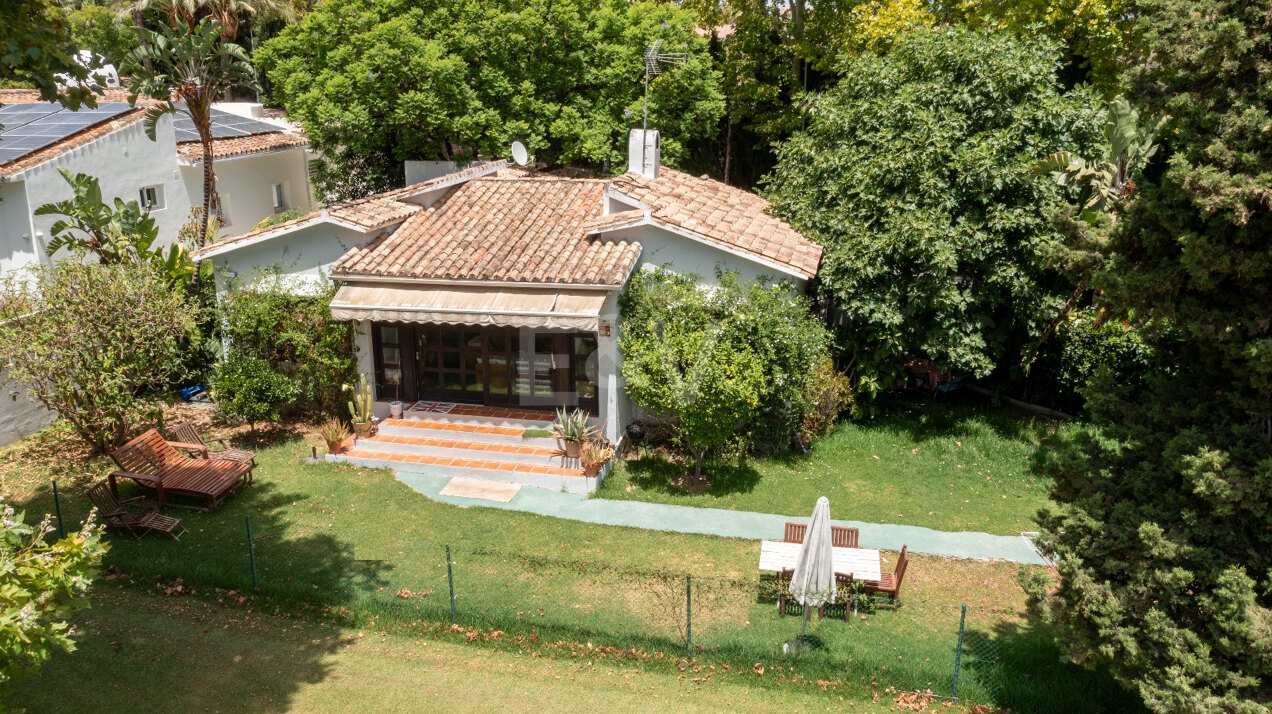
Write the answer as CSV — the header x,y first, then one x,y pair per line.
x,y
115,514
155,463
187,434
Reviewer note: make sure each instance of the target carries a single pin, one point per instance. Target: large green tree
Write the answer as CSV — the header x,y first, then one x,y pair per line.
x,y
1163,530
36,47
915,174
377,83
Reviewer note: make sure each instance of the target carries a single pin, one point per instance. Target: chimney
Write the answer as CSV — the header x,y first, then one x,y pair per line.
x,y
643,152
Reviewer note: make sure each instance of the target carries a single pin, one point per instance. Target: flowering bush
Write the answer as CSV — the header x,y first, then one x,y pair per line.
x,y
41,586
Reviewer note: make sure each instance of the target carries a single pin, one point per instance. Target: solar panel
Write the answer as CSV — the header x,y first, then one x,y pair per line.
x,y
27,128
224,126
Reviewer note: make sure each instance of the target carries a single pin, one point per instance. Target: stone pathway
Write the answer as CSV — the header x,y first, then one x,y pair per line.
x,y
733,524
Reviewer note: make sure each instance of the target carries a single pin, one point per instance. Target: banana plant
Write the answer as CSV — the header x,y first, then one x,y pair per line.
x,y
1111,177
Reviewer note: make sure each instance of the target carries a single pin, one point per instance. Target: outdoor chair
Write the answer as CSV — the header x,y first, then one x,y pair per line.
x,y
890,584
188,434
115,515
844,537
795,532
784,587
155,463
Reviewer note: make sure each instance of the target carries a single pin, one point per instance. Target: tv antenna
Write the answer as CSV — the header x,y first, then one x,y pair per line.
x,y
655,58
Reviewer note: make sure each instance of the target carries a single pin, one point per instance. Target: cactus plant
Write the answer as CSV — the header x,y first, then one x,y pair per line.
x,y
360,405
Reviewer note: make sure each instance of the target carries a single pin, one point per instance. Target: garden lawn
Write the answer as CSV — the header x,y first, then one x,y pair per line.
x,y
357,548
952,464
146,652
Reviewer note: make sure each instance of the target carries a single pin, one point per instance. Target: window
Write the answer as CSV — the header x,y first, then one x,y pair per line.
x,y
279,193
152,198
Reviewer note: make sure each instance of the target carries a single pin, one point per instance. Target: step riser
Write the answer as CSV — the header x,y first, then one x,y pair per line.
x,y
571,484
476,437
442,452
470,420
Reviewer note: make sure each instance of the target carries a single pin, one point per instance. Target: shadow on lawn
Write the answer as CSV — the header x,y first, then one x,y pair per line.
x,y
953,415
1021,666
655,472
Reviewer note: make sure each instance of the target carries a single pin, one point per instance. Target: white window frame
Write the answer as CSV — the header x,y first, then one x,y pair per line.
x,y
157,204
278,196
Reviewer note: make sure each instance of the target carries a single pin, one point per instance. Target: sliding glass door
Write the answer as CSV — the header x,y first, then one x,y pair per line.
x,y
493,366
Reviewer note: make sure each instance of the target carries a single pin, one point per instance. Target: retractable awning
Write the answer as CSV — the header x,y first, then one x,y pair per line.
x,y
562,309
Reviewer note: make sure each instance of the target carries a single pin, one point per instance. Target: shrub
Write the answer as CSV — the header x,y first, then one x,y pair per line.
x,y
828,394
95,343
1087,347
246,388
295,336
758,325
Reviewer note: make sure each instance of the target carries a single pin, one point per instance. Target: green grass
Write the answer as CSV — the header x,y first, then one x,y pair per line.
x,y
357,548
536,434
144,652
952,465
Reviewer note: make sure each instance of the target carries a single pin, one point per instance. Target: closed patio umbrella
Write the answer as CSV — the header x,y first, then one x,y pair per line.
x,y
813,582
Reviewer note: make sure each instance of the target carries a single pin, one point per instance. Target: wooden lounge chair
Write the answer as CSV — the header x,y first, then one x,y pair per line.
x,y
795,532
186,433
844,537
155,463
890,585
115,514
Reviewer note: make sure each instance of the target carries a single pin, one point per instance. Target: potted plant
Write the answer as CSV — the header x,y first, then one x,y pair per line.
x,y
335,433
572,429
360,408
594,455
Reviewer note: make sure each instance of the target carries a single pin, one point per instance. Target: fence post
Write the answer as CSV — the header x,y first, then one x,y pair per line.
x,y
57,504
251,551
689,616
450,581
958,651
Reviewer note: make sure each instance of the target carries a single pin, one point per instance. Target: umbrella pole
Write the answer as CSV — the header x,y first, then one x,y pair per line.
x,y
804,627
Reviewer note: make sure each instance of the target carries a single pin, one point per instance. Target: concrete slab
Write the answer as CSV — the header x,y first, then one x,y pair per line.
x,y
734,524
480,489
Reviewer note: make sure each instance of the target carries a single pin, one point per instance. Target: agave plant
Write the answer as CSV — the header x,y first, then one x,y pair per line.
x,y
572,426
334,432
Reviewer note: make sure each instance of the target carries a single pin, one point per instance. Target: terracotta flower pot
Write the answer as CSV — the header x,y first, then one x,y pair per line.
x,y
572,449
592,470
362,430
337,447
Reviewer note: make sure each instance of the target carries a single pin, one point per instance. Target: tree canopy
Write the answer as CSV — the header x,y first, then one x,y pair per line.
x,y
378,83
1164,523
915,174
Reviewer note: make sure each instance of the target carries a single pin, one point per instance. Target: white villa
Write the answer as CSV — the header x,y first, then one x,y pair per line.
x,y
261,167
488,296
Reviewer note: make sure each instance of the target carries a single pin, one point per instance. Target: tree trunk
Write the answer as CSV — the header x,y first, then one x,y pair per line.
x,y
797,28
210,200
698,455
139,20
1032,355
728,150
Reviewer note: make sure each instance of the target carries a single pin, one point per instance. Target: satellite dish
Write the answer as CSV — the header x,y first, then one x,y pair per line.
x,y
519,153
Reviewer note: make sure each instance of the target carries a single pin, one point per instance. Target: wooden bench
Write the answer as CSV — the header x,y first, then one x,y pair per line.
x,y
155,463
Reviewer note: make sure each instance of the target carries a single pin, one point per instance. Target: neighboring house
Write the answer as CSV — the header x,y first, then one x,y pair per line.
x,y
260,166
496,289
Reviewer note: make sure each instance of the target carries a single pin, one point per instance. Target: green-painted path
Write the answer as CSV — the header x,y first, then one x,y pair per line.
x,y
733,524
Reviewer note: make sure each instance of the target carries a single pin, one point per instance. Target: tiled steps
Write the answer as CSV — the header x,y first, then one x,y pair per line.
x,y
474,446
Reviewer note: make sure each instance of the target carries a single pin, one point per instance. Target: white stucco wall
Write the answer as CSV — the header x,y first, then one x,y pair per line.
x,y
245,185
124,162
684,255
18,248
304,257
19,417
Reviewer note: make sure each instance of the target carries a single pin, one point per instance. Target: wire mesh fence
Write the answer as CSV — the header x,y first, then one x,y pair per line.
x,y
918,646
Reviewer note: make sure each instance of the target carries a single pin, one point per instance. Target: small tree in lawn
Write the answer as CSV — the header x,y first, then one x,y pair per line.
x,y
187,69
707,386
41,585
95,343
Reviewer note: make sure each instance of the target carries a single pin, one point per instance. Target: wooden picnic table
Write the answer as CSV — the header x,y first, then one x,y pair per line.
x,y
863,563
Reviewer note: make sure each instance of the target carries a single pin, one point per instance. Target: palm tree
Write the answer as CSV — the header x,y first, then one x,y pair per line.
x,y
230,13
186,70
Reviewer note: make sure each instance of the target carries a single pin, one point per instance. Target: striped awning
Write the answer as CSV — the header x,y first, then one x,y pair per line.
x,y
547,308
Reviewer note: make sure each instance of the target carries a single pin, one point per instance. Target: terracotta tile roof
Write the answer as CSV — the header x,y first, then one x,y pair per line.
x,y
26,96
376,211
720,214
73,141
240,146
501,230
260,233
